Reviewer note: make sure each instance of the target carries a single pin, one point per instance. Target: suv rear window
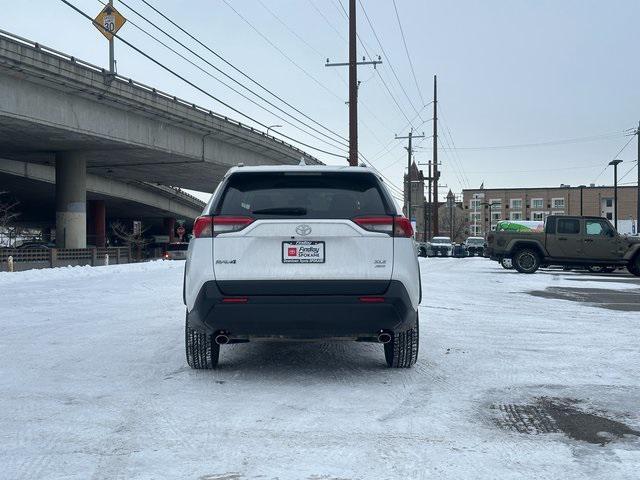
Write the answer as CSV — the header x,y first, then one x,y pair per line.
x,y
303,195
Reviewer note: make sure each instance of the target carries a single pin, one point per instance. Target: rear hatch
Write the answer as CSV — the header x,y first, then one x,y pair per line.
x,y
303,233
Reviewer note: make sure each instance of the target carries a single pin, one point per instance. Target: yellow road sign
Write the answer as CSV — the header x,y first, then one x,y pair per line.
x,y
109,21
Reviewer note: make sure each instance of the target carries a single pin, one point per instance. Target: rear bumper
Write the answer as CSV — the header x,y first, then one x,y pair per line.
x,y
301,315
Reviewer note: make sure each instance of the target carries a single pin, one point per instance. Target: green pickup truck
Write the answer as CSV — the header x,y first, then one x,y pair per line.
x,y
565,241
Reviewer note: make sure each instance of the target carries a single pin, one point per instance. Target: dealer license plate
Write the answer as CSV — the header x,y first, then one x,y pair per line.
x,y
303,252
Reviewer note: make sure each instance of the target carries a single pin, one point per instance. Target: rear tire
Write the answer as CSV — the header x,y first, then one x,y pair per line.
x,y
402,350
202,352
526,260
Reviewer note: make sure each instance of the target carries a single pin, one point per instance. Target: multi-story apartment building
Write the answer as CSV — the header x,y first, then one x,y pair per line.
x,y
487,206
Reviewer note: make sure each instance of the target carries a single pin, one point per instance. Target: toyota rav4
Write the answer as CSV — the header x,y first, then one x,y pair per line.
x,y
301,252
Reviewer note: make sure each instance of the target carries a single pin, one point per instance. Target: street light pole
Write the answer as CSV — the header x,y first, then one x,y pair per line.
x,y
487,222
581,199
615,164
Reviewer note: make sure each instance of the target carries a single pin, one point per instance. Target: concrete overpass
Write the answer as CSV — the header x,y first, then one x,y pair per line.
x,y
34,186
61,112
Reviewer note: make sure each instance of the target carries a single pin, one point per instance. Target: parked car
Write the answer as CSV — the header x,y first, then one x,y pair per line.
x,y
441,246
176,251
475,246
301,252
567,241
459,250
424,249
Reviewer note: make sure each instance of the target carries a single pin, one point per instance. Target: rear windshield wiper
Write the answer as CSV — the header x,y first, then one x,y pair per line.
x,y
281,211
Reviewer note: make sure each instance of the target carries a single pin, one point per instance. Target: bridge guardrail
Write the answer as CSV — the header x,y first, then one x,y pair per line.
x,y
28,258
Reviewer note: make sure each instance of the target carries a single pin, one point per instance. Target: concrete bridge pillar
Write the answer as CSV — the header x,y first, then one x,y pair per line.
x,y
98,223
170,228
71,200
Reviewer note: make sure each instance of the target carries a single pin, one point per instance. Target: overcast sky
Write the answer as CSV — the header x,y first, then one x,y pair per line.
x,y
562,73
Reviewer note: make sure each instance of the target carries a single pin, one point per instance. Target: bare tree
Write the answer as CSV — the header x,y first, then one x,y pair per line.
x,y
8,215
135,240
460,222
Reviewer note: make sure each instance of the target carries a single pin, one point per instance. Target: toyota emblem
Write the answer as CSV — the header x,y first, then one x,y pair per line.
x,y
303,230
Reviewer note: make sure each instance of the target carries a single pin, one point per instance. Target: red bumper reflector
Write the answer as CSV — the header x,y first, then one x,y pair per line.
x,y
235,300
372,299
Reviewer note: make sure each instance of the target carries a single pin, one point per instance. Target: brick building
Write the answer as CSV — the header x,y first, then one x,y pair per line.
x,y
489,205
418,200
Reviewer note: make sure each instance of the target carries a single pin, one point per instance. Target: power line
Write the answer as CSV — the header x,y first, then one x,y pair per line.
x,y
293,62
614,157
629,171
452,162
188,82
244,74
559,169
594,138
311,47
384,83
289,29
387,58
343,38
327,21
392,143
453,151
406,49
340,144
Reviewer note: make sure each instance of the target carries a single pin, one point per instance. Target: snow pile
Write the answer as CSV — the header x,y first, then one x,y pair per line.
x,y
94,384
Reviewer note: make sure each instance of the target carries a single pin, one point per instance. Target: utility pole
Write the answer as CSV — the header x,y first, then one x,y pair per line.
x,y
353,87
436,174
425,220
430,180
428,205
409,148
353,83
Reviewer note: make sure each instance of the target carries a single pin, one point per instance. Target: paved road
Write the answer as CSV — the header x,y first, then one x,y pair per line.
x,y
93,385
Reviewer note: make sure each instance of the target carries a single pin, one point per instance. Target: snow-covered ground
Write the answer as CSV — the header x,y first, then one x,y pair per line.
x,y
94,385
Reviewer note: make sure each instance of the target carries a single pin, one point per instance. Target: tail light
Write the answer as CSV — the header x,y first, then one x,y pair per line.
x,y
402,227
229,224
394,226
203,227
207,227
376,224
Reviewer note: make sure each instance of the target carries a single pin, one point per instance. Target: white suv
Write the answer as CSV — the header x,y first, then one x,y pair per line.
x,y
301,252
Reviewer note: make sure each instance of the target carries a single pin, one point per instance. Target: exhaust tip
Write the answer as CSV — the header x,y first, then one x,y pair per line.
x,y
384,337
221,339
